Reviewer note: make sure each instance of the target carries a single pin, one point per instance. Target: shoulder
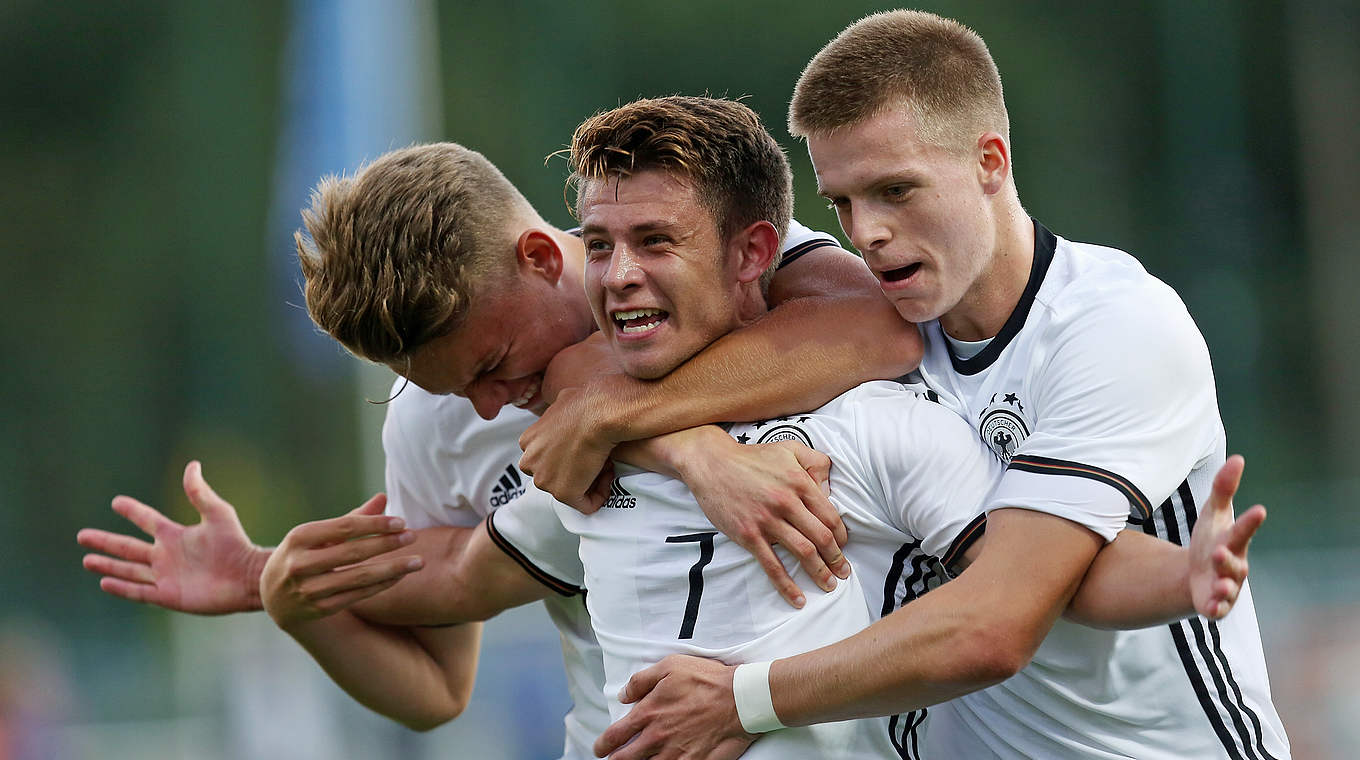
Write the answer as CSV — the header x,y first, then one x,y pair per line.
x,y
1104,305
801,239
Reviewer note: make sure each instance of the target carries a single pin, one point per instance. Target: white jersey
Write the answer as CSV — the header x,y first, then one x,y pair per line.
x,y
909,480
448,466
1099,397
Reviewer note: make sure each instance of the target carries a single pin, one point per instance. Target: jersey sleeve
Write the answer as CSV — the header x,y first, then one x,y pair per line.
x,y
418,489
934,472
529,530
800,240
1126,409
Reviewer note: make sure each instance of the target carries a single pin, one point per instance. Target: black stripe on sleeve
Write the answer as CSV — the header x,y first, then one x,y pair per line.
x,y
561,587
807,246
966,538
1139,507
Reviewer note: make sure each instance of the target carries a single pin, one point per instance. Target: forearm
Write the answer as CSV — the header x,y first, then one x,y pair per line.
x,y
795,358
933,650
667,454
974,631
1135,581
390,670
466,579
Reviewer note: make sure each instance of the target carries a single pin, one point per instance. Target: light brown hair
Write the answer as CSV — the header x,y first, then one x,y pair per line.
x,y
738,170
937,67
393,254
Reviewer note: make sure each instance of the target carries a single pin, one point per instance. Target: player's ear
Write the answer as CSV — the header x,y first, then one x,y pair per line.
x,y
537,252
755,247
993,162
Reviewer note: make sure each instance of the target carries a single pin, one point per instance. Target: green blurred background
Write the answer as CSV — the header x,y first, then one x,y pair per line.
x,y
156,154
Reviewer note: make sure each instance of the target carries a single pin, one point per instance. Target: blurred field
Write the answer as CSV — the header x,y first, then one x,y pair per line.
x,y
156,154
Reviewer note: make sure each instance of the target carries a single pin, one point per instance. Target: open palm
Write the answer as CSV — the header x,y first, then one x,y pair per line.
x,y
209,568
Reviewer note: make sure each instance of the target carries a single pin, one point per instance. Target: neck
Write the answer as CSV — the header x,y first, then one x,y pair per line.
x,y
751,304
994,294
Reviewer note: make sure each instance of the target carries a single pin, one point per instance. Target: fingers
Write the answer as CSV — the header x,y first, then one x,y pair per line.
x,y
374,506
370,576
774,569
134,592
599,490
788,536
347,553
643,681
818,467
116,568
618,734
1244,528
116,544
812,518
339,529
141,515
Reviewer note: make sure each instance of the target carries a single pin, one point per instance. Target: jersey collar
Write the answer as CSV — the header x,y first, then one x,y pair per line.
x,y
1045,243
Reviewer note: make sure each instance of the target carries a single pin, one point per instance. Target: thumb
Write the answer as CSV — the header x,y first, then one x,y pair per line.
x,y
201,495
642,682
1226,482
817,464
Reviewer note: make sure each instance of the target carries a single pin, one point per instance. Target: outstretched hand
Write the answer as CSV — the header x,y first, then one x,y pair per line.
x,y
325,566
1218,545
210,568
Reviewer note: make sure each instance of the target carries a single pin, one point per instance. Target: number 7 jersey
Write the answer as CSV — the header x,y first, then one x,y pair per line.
x,y
907,476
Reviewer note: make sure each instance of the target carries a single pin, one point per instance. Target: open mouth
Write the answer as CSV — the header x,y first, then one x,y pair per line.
x,y
637,321
528,394
900,273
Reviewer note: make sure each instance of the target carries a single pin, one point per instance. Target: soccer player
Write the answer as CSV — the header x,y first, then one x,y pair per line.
x,y
909,474
1087,378
447,467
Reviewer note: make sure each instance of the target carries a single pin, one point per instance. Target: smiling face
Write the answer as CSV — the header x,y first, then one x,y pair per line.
x,y
497,356
661,281
920,214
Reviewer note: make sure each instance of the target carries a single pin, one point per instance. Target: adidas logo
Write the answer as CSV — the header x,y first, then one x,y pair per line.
x,y
508,487
619,498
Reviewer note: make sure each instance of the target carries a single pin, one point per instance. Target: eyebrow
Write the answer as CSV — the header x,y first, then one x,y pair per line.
x,y
648,226
906,177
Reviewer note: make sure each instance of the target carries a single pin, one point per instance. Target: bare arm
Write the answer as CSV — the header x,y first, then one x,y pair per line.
x,y
466,578
832,331
420,677
1138,581
970,633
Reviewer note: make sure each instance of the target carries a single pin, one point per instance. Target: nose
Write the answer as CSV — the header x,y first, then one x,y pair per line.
x,y
487,398
625,271
868,231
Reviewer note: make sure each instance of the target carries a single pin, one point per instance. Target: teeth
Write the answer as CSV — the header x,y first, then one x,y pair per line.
x,y
622,318
528,394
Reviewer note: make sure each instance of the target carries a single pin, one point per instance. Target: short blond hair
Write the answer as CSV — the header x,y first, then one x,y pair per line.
x,y
738,170
938,68
393,254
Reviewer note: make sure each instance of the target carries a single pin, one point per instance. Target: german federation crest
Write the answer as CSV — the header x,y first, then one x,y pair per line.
x,y
1002,425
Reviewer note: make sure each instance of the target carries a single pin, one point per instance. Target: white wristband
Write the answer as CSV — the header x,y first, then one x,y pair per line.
x,y
751,690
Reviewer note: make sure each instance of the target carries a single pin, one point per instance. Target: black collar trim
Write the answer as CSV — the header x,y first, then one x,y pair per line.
x,y
1045,243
